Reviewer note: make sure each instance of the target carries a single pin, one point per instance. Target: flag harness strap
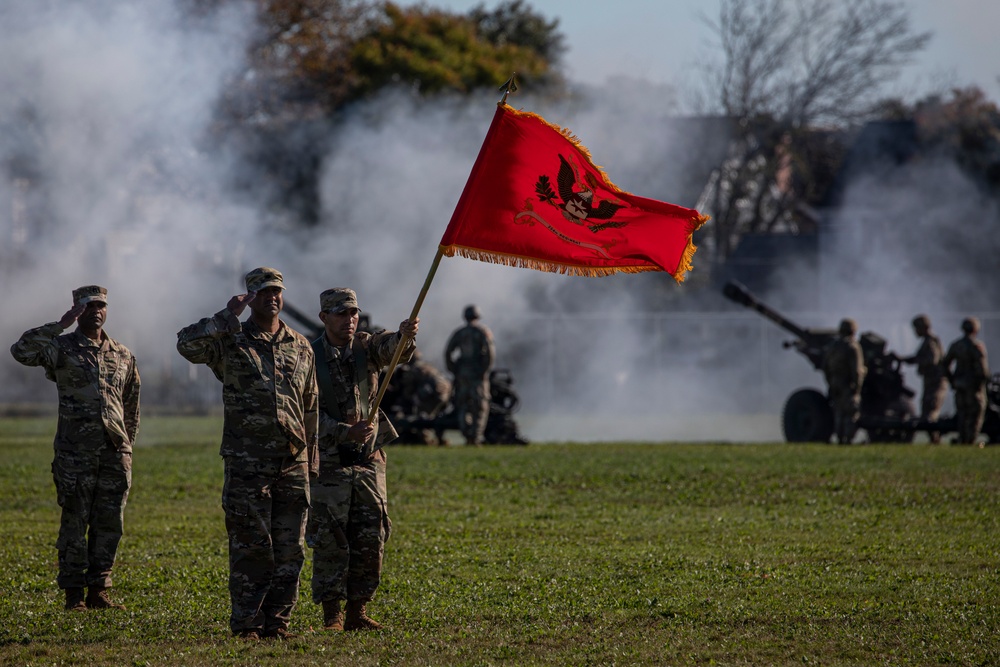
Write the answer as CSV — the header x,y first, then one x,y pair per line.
x,y
325,381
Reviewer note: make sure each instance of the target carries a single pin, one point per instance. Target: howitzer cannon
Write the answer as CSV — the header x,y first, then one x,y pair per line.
x,y
887,412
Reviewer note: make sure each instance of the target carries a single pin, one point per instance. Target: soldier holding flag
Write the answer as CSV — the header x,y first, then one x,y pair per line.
x,y
349,519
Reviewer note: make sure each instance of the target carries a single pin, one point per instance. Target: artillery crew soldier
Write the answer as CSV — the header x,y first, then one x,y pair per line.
x,y
967,369
349,519
928,362
98,384
422,393
270,427
469,356
844,368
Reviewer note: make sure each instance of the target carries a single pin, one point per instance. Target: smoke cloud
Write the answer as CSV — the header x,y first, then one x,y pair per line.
x,y
110,177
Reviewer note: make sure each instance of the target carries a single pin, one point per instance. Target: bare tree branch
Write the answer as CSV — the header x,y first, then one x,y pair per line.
x,y
788,66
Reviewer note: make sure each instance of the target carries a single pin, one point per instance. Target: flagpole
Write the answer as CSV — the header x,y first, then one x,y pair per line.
x,y
403,337
509,86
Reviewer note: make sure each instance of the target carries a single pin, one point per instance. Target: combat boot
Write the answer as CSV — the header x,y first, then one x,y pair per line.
x,y
279,632
74,600
333,616
97,598
357,617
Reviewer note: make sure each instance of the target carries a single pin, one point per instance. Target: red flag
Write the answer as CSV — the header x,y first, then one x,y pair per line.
x,y
535,199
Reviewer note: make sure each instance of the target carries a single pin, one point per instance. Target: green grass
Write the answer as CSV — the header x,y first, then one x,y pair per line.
x,y
551,554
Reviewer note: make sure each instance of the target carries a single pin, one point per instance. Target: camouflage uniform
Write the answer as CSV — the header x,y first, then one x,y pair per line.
x,y
968,379
469,357
98,385
426,388
928,361
271,422
349,519
422,393
844,368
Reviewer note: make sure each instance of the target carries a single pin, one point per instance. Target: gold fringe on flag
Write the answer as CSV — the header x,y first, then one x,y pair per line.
x,y
520,262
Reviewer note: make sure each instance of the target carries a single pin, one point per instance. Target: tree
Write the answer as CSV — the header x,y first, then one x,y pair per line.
x,y
434,51
514,22
966,128
787,68
309,59
298,62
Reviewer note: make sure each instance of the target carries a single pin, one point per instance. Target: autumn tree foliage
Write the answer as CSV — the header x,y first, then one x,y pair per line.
x,y
310,59
432,51
965,126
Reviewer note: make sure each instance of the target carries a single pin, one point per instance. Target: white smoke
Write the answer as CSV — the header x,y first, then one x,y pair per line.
x,y
110,105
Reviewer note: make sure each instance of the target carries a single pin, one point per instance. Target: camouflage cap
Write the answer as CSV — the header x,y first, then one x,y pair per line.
x,y
88,293
337,300
263,277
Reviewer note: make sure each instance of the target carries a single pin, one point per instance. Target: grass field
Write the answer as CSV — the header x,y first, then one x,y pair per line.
x,y
558,554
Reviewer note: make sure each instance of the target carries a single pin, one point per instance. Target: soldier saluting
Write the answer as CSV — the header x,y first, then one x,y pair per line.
x,y
98,384
271,418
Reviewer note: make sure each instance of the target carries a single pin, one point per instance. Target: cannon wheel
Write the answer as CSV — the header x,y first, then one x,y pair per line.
x,y
991,425
807,417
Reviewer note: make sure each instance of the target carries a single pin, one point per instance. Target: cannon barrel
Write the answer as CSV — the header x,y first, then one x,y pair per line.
x,y
735,291
313,327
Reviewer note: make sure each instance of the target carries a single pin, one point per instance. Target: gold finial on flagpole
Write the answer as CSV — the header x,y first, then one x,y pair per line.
x,y
509,86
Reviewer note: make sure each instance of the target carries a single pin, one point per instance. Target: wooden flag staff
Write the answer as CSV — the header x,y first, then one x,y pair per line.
x,y
404,338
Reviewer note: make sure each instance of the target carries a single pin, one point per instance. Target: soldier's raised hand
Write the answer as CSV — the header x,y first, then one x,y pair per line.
x,y
409,328
238,303
70,316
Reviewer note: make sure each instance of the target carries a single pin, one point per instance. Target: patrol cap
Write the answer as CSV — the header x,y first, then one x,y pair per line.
x,y
264,277
337,300
88,293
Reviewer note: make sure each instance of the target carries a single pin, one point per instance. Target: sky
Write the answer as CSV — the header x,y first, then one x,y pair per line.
x,y
109,102
658,39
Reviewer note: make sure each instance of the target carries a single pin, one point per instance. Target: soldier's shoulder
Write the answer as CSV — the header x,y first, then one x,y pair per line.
x,y
365,338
